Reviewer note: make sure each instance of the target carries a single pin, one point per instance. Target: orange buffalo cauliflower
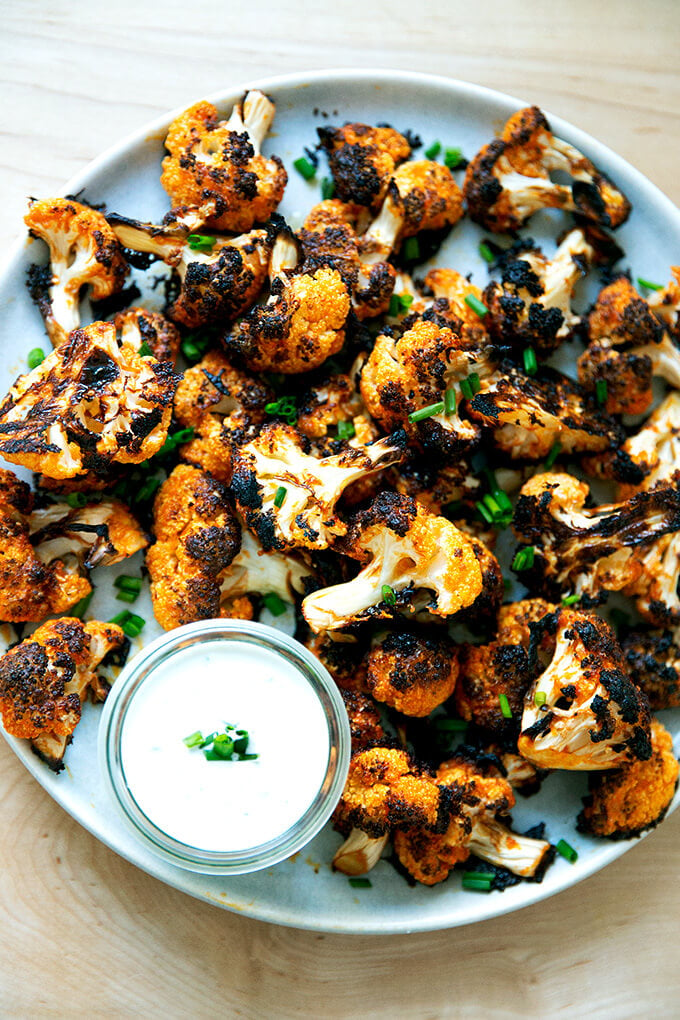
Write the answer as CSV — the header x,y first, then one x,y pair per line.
x,y
412,672
431,198
362,159
137,326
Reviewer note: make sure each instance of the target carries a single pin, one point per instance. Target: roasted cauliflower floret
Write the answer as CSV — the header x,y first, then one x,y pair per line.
x,y
653,658
509,179
665,304
588,552
431,198
45,680
625,802
433,484
627,347
255,572
287,497
528,416
137,326
406,375
364,721
197,537
414,562
412,672
94,535
583,711
83,251
89,404
222,405
362,160
531,305
649,457
656,588
215,173
301,325
219,277
344,660
333,410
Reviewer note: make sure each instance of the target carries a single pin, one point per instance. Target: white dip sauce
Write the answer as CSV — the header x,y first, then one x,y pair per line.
x,y
225,805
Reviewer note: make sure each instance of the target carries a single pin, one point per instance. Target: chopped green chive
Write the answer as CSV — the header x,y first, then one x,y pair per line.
x,y
503,500
450,402
470,386
530,363
81,607
477,306
433,150
274,604
475,882
506,711
76,500
279,496
427,412
131,624
539,698
284,407
127,596
35,357
524,559
484,512
570,600
399,303
565,850
127,583
388,595
553,454
230,745
492,506
305,168
360,883
201,242
346,430
601,391
194,739
473,379
648,285
248,757
486,252
411,249
452,158
144,350
447,725
194,346
327,187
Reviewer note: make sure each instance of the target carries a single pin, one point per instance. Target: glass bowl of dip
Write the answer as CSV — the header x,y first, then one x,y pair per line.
x,y
212,815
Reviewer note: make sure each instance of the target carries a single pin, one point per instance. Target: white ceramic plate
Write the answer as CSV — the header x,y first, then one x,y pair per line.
x,y
304,892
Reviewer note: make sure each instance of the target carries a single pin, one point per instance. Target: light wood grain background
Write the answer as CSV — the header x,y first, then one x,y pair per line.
x,y
81,931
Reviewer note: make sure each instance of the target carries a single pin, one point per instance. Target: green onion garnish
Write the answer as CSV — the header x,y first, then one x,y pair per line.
x,y
194,346
274,603
284,407
248,757
601,391
144,350
539,698
411,249
388,595
427,412
305,168
648,285
473,379
35,357
506,711
570,600
447,725
470,386
279,496
477,882
452,158
81,607
553,454
449,402
524,559
76,499
223,747
194,739
230,745
346,429
127,583
433,150
486,252
240,739
567,851
127,596
360,883
327,187
484,512
130,624
201,242
399,303
477,306
492,506
530,363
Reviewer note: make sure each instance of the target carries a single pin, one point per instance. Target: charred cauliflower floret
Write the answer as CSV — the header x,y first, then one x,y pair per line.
x,y
89,404
588,552
197,537
655,589
137,326
215,173
362,160
430,196
408,374
344,660
648,457
45,680
583,711
531,305
222,405
219,277
412,672
665,304
95,535
627,347
653,658
333,410
255,572
287,497
433,484
625,802
413,562
364,721
509,179
83,252
302,323
528,416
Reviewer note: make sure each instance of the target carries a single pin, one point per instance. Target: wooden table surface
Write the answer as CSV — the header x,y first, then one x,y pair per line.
x,y
81,931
